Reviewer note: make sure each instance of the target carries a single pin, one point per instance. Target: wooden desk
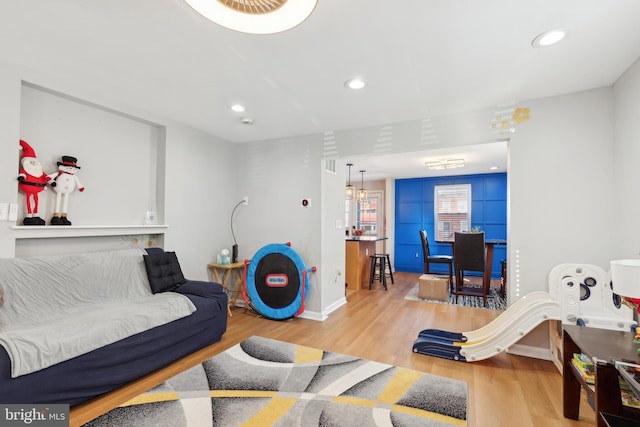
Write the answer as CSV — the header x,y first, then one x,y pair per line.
x,y
227,271
605,347
616,421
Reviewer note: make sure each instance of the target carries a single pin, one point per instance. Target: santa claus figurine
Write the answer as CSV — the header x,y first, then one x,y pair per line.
x,y
64,182
32,181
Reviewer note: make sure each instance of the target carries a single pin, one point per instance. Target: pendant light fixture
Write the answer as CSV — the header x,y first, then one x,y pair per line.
x,y
350,190
362,193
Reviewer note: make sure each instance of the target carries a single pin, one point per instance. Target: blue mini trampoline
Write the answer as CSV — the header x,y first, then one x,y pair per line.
x,y
276,282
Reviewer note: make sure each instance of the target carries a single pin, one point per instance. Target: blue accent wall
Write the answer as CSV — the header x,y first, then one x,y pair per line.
x,y
415,212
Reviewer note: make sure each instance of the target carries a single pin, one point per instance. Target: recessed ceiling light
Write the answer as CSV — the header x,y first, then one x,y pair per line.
x,y
549,38
494,168
355,84
255,16
237,108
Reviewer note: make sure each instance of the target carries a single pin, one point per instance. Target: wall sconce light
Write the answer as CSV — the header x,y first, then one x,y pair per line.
x,y
445,164
349,190
362,193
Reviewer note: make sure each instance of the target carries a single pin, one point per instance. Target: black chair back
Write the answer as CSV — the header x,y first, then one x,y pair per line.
x,y
468,251
425,245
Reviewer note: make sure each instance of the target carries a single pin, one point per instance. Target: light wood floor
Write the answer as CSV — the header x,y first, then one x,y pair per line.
x,y
506,390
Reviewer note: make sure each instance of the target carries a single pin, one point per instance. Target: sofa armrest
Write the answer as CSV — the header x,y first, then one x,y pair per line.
x,y
200,288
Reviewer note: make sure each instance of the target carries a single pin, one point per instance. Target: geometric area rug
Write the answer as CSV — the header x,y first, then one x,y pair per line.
x,y
495,302
264,382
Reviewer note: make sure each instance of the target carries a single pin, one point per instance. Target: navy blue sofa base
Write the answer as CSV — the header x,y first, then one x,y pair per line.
x,y
110,367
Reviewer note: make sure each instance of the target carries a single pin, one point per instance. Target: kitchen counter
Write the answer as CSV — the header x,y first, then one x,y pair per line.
x,y
365,238
358,264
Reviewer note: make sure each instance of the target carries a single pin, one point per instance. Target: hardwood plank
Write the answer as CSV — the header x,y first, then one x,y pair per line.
x,y
381,325
87,411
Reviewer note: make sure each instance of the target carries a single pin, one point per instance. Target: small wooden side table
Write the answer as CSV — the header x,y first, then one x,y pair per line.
x,y
227,271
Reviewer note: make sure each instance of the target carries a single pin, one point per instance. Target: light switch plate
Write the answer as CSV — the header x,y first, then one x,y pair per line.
x,y
13,212
4,211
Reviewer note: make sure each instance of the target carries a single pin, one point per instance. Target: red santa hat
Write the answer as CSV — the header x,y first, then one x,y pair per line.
x,y
27,151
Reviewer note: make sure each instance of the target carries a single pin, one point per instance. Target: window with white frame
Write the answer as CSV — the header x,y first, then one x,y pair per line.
x,y
452,210
366,216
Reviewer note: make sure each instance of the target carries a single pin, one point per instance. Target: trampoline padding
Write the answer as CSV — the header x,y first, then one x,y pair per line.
x,y
273,281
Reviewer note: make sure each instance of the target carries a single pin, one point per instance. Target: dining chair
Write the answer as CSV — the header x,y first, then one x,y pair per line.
x,y
469,256
435,259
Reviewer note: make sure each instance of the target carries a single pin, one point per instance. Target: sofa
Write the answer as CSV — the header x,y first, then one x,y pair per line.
x,y
73,327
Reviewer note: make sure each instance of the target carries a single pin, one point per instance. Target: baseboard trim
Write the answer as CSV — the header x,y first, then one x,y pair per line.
x,y
321,317
333,307
312,315
530,351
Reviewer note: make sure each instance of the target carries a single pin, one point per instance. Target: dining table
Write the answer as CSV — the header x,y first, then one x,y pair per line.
x,y
489,246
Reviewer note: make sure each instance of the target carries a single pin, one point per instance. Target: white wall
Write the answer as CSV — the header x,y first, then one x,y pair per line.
x,y
199,198
331,264
9,137
568,182
277,176
116,154
560,180
626,155
193,191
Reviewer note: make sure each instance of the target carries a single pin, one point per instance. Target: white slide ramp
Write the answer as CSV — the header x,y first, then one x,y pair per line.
x,y
508,328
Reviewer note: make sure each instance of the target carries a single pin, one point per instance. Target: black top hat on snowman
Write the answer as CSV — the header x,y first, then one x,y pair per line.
x,y
69,161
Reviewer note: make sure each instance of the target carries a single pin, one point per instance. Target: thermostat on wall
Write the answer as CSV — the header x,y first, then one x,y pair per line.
x,y
305,203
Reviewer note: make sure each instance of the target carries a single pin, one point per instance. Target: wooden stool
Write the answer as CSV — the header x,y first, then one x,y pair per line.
x,y
378,268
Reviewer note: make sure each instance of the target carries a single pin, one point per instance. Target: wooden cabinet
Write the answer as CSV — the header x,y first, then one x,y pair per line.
x,y
357,264
603,347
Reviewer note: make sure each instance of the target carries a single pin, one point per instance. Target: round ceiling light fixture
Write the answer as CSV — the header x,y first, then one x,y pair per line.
x,y
354,84
255,16
549,38
238,108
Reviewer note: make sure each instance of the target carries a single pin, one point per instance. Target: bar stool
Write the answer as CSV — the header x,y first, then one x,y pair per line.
x,y
378,269
388,271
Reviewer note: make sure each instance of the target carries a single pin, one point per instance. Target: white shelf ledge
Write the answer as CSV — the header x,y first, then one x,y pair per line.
x,y
57,231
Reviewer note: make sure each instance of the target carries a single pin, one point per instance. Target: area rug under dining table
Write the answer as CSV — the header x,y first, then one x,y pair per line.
x,y
495,301
265,382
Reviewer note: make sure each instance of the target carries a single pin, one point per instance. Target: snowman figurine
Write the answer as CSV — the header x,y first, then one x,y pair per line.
x,y
64,182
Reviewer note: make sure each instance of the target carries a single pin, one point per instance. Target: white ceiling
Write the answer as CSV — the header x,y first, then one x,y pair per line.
x,y
420,58
478,158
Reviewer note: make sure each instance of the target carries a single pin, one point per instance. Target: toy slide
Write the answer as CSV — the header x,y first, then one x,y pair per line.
x,y
495,337
579,294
